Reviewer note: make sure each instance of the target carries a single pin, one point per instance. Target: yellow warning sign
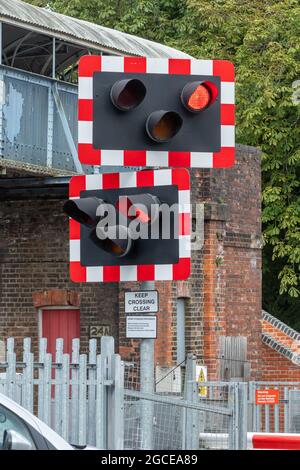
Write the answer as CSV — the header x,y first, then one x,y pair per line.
x,y
201,377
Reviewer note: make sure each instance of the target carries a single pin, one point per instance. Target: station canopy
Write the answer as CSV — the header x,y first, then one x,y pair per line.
x,y
28,32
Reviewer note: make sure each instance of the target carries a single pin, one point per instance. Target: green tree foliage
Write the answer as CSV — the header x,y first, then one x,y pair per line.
x,y
262,38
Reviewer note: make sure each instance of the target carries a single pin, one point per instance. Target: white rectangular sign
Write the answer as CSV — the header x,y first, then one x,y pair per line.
x,y
141,326
141,302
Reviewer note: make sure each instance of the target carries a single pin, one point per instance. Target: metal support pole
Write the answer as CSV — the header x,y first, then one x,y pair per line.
x,y
243,415
147,383
53,57
191,395
1,42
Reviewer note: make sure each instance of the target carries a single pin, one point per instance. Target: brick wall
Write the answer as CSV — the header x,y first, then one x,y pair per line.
x,y
232,258
222,295
224,291
34,257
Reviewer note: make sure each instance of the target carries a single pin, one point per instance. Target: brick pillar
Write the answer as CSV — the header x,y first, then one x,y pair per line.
x,y
214,320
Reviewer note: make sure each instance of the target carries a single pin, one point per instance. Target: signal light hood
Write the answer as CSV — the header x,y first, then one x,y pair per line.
x,y
162,126
127,94
114,239
83,210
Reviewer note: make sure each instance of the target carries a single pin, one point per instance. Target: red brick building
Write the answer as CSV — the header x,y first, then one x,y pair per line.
x,y
221,298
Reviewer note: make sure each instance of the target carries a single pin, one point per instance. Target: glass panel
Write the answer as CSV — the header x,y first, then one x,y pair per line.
x,y
9,421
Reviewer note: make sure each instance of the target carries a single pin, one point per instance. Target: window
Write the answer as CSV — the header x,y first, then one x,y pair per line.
x,y
9,421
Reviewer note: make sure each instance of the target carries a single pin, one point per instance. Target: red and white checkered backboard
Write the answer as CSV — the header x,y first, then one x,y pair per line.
x,y
150,272
90,156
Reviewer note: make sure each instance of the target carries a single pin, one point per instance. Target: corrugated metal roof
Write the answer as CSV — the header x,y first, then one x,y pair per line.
x,y
81,32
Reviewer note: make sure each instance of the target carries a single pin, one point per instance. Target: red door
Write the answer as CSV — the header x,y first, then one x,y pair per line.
x,y
60,323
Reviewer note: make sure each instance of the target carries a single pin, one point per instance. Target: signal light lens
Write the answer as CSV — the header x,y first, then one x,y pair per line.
x,y
83,210
162,126
127,94
197,96
114,239
142,207
199,99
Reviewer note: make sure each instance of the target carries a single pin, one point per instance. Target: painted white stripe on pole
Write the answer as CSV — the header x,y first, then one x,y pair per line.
x,y
93,182
163,272
128,273
227,92
112,157
227,136
85,132
162,177
202,159
184,246
94,274
85,88
157,65
201,67
74,250
128,180
184,201
112,64
157,158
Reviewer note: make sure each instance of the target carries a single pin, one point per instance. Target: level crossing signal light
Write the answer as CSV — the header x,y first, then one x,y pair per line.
x,y
121,231
114,239
156,112
198,96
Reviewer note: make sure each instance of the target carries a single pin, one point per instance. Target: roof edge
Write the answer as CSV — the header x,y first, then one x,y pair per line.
x,y
95,36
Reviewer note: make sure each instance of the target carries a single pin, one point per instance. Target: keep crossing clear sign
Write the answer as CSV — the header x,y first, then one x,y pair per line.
x,y
141,302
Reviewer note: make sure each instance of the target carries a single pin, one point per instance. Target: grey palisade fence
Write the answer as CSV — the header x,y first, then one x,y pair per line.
x,y
96,399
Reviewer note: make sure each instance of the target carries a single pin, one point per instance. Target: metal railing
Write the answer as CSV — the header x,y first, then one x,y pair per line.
x,y
85,398
283,416
95,398
38,120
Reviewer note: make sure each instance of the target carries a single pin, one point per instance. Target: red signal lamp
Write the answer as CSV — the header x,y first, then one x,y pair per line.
x,y
142,207
198,96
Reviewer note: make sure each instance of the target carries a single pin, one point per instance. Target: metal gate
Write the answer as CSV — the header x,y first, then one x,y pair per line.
x,y
96,399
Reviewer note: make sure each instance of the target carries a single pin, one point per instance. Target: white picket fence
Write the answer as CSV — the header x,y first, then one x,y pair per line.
x,y
86,400
70,394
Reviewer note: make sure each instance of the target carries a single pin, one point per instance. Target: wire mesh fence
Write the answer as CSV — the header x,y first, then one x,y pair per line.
x,y
179,423
167,379
184,414
165,431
